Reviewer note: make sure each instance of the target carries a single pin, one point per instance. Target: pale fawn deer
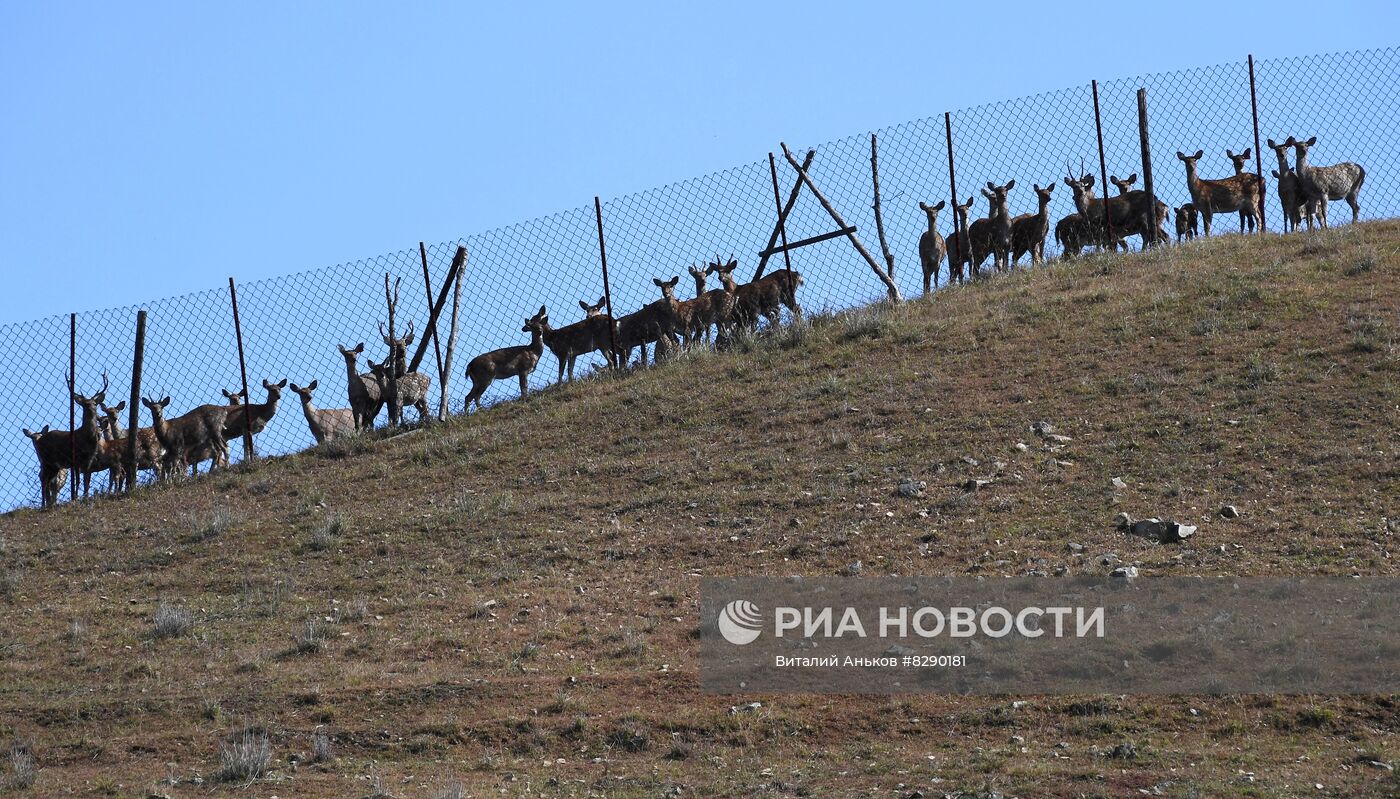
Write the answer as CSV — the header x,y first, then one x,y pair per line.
x,y
1320,184
991,235
410,388
1258,192
195,436
325,423
366,401
592,333
1028,231
959,251
1290,194
696,315
1219,196
932,247
725,299
518,361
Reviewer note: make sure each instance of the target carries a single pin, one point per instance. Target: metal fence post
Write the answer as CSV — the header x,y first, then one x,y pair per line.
x,y
1258,156
243,374
959,226
607,287
1147,186
1103,170
134,415
72,387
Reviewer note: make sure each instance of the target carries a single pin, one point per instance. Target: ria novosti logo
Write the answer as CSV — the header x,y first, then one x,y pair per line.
x,y
740,622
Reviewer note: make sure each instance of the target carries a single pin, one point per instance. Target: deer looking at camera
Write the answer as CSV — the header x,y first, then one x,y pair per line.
x,y
52,475
518,361
959,252
654,322
932,247
1185,222
724,299
58,450
592,333
1322,183
196,436
365,398
1220,196
1028,231
255,416
409,388
1132,213
148,448
698,314
325,423
1290,194
992,233
1258,192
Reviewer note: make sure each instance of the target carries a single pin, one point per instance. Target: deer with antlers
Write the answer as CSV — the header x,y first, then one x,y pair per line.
x,y
1211,197
592,333
1238,160
324,423
1028,231
189,439
410,389
58,450
366,400
518,361
1319,184
991,235
932,247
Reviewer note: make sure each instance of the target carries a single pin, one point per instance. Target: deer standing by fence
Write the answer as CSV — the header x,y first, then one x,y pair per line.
x,y
410,389
58,450
932,247
254,416
1185,222
518,361
992,233
587,335
148,449
1258,192
959,250
325,423
1320,184
52,474
1290,194
195,436
1028,231
654,322
724,299
366,400
1211,197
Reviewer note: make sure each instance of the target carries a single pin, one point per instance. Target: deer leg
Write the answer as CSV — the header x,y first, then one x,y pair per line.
x,y
524,385
1355,207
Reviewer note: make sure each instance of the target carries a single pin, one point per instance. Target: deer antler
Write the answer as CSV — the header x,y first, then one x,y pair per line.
x,y
383,333
409,334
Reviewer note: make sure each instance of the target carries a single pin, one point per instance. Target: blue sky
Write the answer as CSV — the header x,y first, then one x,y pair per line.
x,y
156,148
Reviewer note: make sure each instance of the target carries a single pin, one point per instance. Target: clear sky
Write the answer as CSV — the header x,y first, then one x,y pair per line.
x,y
151,149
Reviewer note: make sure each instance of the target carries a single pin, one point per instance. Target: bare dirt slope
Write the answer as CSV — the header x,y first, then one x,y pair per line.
x,y
508,601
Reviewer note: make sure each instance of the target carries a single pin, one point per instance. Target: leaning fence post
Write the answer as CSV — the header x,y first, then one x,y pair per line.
x,y
607,288
782,222
72,386
1151,239
452,336
428,291
459,260
243,374
879,217
1103,171
134,416
959,226
1258,156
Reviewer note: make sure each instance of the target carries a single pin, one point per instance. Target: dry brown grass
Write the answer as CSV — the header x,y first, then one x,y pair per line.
x,y
508,601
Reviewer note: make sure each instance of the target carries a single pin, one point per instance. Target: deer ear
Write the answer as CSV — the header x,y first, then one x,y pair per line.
x,y
165,401
923,206
1270,142
1311,142
583,305
121,406
656,280
282,384
991,185
1011,185
314,383
360,347
1181,155
1273,172
986,194
941,205
1246,153
1199,153
1132,178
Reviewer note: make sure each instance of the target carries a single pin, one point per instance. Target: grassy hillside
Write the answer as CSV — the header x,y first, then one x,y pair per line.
x,y
509,601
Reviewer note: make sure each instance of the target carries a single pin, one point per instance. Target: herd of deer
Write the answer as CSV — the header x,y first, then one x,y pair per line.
x,y
170,446
1303,191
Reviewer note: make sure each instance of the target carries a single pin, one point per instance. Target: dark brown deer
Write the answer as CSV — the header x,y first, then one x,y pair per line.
x,y
411,388
1028,231
1219,196
1124,185
1320,184
1185,222
52,474
1132,213
590,334
518,361
696,315
932,247
148,449
253,417
1238,160
725,299
325,423
959,252
365,398
1290,195
992,233
766,296
654,322
195,436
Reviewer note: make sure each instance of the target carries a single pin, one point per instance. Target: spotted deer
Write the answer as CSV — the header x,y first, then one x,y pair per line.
x,y
959,253
1185,222
195,436
52,474
1238,160
991,235
654,322
1028,231
1290,196
411,388
148,448
1320,184
366,400
518,361
932,247
590,334
325,423
1219,196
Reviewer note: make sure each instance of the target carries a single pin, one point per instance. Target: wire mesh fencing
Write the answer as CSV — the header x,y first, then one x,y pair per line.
x,y
292,326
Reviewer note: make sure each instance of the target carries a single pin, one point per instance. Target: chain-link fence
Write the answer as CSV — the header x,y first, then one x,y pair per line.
x,y
292,325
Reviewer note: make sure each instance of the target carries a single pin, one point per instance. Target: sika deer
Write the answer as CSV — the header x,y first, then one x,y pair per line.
x,y
235,398
725,299
1322,183
992,234
196,436
516,361
765,297
1132,213
1124,185
325,424
1028,231
52,474
1185,222
366,400
1290,194
932,247
1258,192
254,417
1216,196
959,253
587,335
148,448
411,388
696,315
653,322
